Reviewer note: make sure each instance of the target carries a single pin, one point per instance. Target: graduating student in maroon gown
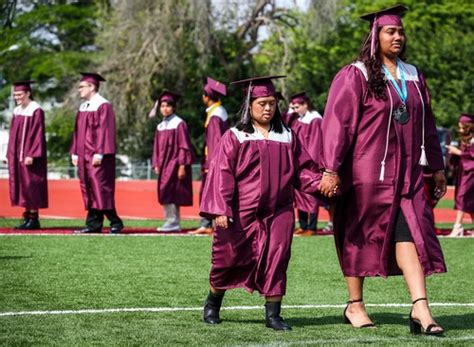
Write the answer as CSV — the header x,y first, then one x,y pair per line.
x,y
215,125
249,193
379,136
464,158
307,127
172,159
26,155
93,152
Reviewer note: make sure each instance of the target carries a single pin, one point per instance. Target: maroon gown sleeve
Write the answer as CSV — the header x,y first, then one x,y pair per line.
x,y
105,130
185,154
35,141
156,148
341,116
220,183
73,149
467,157
432,146
314,145
215,129
306,174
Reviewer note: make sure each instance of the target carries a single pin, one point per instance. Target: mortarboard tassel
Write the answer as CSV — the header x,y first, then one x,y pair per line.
x,y
423,159
373,37
244,117
153,110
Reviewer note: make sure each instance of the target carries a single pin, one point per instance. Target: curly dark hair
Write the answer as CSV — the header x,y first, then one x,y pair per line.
x,y
376,76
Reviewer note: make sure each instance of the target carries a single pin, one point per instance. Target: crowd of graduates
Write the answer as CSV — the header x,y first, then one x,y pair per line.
x,y
367,161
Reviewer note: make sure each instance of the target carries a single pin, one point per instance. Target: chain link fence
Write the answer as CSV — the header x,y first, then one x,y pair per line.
x,y
129,171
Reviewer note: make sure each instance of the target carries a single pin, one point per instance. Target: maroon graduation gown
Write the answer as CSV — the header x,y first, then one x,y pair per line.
x,y
251,181
308,131
354,133
94,134
464,192
214,129
289,117
28,183
173,148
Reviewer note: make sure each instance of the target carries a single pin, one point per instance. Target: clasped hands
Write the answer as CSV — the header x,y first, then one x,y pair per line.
x,y
329,183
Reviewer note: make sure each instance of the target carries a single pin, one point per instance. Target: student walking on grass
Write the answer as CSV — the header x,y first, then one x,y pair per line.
x,y
379,137
172,159
217,122
249,194
464,158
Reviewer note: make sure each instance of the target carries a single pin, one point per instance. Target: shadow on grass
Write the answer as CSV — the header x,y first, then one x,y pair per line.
x,y
15,257
448,322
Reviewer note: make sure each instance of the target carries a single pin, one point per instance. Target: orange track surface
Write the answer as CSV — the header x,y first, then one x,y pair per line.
x,y
135,199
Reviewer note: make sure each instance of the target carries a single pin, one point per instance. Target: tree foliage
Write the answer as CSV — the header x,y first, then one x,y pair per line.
x,y
440,40
143,47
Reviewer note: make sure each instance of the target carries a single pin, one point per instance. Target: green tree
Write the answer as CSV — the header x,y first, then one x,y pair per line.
x,y
440,39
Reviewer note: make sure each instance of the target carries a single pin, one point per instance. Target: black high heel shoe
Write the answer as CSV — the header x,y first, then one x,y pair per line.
x,y
347,320
416,328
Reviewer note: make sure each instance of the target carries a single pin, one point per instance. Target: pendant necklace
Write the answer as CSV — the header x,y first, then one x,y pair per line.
x,y
401,113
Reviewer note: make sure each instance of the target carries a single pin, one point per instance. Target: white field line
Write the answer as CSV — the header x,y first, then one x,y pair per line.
x,y
366,340
184,309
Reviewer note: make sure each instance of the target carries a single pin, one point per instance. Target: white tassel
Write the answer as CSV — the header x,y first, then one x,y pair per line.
x,y
423,159
382,171
153,110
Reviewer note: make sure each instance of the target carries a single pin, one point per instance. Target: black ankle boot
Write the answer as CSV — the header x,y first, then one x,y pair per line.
x,y
273,318
212,306
33,223
26,218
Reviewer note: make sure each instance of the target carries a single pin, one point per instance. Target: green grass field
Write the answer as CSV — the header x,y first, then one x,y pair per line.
x,y
96,272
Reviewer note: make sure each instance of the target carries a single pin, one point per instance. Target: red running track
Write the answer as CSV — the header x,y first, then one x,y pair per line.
x,y
135,199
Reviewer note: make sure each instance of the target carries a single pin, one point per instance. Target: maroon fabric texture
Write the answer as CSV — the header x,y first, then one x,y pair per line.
x,y
94,133
173,148
252,183
309,136
464,191
28,183
289,117
354,131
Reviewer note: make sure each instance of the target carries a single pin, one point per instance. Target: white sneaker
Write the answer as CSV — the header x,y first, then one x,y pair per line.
x,y
328,228
166,228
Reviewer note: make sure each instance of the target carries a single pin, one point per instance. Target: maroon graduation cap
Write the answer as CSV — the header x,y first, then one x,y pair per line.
x,y
168,95
92,77
22,86
466,118
299,98
380,18
215,88
259,87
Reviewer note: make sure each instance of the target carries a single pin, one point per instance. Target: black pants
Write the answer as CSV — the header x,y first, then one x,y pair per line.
x,y
95,218
307,220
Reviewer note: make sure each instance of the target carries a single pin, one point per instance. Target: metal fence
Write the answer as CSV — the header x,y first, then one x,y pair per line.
x,y
130,171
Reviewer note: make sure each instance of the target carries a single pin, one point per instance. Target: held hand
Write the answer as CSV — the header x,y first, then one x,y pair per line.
x,y
440,182
96,161
28,160
181,172
222,222
157,170
453,150
74,162
329,184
